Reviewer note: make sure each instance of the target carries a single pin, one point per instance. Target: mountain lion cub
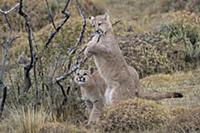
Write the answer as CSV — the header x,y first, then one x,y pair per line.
x,y
121,83
92,90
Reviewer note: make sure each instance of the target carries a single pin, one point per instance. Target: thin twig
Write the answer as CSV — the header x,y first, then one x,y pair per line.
x,y
67,15
4,88
74,49
68,73
8,40
36,83
50,14
4,60
62,89
8,23
116,22
64,11
81,35
8,11
28,67
82,14
53,34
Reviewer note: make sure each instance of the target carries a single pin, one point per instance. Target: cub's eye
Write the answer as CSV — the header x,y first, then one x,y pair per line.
x,y
85,74
78,74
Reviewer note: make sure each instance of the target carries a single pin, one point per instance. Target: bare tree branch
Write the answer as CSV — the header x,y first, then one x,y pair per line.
x,y
62,89
64,11
67,15
57,29
82,14
36,84
7,21
10,10
4,88
5,54
29,66
69,72
74,49
116,22
50,15
8,40
81,35
6,45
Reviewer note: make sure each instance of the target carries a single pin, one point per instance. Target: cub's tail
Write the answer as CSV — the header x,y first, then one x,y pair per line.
x,y
152,95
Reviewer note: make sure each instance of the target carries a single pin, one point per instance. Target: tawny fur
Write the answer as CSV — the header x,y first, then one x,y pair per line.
x,y
92,90
110,61
121,83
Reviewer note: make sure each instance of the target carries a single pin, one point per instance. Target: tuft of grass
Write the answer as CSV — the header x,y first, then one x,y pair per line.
x,y
188,122
30,120
24,120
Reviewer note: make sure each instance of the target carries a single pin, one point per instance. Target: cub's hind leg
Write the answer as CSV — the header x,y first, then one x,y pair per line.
x,y
89,105
96,111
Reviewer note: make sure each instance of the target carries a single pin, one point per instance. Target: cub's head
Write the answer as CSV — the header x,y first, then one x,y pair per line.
x,y
101,22
84,77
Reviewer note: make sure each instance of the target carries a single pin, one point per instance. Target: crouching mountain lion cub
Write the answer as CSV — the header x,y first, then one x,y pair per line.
x,y
121,83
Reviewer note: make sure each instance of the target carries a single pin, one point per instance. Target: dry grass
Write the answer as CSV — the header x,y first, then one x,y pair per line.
x,y
24,121
58,127
133,115
187,122
138,115
184,82
30,120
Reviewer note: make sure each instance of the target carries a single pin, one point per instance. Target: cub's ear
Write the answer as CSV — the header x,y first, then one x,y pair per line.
x,y
91,70
106,16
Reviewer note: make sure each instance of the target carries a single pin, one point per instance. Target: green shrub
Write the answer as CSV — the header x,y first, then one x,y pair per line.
x,y
188,34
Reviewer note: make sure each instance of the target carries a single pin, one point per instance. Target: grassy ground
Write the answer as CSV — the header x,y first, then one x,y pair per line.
x,y
184,82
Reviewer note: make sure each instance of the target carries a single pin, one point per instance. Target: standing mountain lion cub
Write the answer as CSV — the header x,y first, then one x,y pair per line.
x,y
92,90
121,83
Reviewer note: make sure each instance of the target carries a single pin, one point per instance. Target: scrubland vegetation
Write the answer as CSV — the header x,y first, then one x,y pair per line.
x,y
160,38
